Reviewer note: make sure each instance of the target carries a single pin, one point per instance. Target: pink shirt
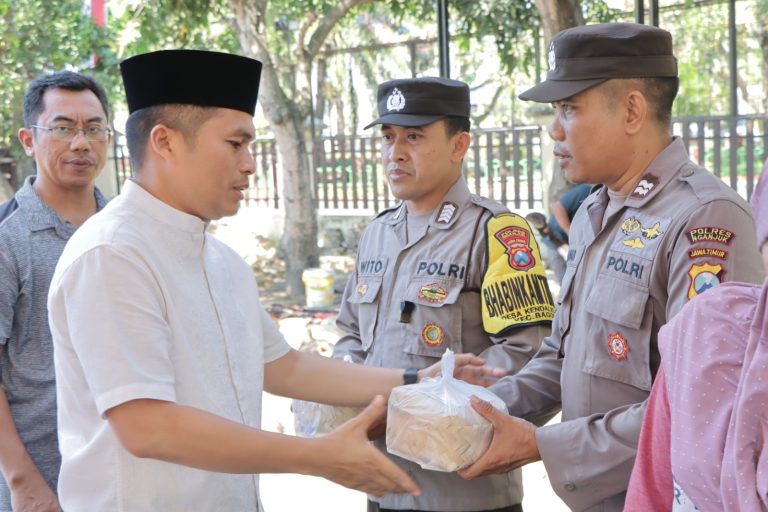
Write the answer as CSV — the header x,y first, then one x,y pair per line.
x,y
689,410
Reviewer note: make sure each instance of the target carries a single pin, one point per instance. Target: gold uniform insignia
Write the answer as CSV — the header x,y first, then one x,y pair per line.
x,y
515,291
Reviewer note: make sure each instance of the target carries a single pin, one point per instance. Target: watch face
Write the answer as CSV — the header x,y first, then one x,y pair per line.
x,y
411,376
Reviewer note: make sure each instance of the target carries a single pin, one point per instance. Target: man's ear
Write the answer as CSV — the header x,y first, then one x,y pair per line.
x,y
26,139
636,108
164,141
460,146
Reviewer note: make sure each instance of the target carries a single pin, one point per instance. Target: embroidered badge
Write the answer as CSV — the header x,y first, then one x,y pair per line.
x,y
647,183
517,243
551,58
710,234
514,290
362,289
703,277
446,213
618,346
632,225
634,243
432,334
433,293
396,100
710,252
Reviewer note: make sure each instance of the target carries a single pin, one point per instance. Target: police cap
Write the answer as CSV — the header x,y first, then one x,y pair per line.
x,y
421,101
191,77
585,56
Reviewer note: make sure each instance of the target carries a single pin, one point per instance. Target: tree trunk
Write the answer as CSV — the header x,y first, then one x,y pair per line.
x,y
557,15
299,241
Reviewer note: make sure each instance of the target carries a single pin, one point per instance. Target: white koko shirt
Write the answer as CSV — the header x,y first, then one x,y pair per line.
x,y
145,304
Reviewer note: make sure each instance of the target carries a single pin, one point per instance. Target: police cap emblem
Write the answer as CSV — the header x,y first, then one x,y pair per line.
x,y
396,100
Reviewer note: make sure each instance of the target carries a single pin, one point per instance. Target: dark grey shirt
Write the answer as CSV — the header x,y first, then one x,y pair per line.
x,y
31,241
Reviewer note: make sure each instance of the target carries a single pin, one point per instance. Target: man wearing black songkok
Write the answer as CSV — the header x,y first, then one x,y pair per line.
x,y
162,348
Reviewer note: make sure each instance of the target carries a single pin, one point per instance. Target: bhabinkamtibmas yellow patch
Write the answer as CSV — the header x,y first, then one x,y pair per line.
x,y
514,292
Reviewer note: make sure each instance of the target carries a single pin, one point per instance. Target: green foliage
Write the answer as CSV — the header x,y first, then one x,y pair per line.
x,y
194,24
509,22
39,36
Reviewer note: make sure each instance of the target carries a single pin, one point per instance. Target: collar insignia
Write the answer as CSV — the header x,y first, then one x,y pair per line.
x,y
645,185
447,210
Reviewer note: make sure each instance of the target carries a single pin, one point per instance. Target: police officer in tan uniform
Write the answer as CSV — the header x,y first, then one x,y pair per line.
x,y
442,269
659,231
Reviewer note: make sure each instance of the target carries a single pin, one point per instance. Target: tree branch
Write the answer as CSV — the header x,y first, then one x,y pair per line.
x,y
479,118
326,24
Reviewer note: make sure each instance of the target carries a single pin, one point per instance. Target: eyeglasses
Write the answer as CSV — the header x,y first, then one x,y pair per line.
x,y
91,133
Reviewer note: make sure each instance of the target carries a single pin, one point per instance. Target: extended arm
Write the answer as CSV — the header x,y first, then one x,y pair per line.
x,y
192,437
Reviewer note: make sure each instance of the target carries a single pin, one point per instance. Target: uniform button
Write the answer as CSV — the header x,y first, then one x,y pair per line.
x,y
687,173
570,486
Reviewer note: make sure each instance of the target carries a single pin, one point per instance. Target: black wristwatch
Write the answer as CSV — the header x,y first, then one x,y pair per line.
x,y
411,376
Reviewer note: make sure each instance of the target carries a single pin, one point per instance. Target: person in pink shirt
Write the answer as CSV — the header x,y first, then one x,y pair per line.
x,y
702,437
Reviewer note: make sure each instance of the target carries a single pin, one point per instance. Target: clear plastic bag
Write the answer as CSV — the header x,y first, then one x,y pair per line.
x,y
311,419
433,423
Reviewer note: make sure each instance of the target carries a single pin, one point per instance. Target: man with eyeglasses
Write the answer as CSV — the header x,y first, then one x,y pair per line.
x,y
66,132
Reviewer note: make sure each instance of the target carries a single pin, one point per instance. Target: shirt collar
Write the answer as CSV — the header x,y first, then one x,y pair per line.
x,y
660,172
43,216
134,194
447,211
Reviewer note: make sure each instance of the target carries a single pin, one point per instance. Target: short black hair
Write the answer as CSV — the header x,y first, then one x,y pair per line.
x,y
67,80
456,124
185,118
659,91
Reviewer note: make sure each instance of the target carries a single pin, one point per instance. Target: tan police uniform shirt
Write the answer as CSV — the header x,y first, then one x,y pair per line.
x,y
440,272
681,231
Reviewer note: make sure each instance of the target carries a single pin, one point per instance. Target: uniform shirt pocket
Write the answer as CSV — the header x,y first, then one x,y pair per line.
x,y
435,321
366,296
621,333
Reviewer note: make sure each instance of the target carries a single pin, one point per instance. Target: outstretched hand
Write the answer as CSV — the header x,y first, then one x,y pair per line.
x,y
513,444
349,459
469,368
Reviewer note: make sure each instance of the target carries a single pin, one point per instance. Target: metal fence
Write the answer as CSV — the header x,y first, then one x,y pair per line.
x,y
731,147
503,164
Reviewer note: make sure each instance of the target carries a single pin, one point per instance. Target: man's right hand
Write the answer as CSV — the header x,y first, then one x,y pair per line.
x,y
34,495
348,458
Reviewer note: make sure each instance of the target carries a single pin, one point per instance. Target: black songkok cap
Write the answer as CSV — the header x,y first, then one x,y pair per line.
x,y
191,77
585,56
421,101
